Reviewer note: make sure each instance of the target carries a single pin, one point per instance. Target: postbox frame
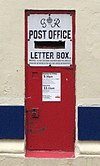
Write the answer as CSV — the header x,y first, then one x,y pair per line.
x,y
72,67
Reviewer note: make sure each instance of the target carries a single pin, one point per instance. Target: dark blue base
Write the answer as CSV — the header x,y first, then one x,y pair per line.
x,y
11,122
89,123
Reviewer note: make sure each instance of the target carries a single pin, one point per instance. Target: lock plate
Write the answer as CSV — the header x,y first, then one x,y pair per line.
x,y
35,112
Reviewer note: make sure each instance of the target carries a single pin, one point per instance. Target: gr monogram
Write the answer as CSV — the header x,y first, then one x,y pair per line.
x,y
49,21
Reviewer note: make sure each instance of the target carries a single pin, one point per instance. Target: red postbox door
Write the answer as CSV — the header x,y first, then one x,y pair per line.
x,y
50,80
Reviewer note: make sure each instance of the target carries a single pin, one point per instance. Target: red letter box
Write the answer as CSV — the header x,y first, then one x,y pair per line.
x,y
50,80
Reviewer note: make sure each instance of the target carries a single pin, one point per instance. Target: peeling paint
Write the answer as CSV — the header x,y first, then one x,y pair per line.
x,y
39,130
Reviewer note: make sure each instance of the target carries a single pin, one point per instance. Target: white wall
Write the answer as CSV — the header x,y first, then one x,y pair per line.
x,y
12,46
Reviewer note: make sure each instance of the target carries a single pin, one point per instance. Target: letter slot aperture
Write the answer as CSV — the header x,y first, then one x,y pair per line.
x,y
50,44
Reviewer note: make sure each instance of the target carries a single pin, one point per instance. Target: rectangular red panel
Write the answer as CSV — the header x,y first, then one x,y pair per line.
x,y
50,103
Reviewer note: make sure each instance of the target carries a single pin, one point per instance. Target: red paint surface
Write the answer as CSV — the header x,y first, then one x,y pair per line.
x,y
48,154
54,130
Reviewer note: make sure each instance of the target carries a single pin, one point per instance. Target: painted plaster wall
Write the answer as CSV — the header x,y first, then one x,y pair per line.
x,y
20,161
12,52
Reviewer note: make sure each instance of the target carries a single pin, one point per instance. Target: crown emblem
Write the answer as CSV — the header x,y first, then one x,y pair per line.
x,y
49,20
